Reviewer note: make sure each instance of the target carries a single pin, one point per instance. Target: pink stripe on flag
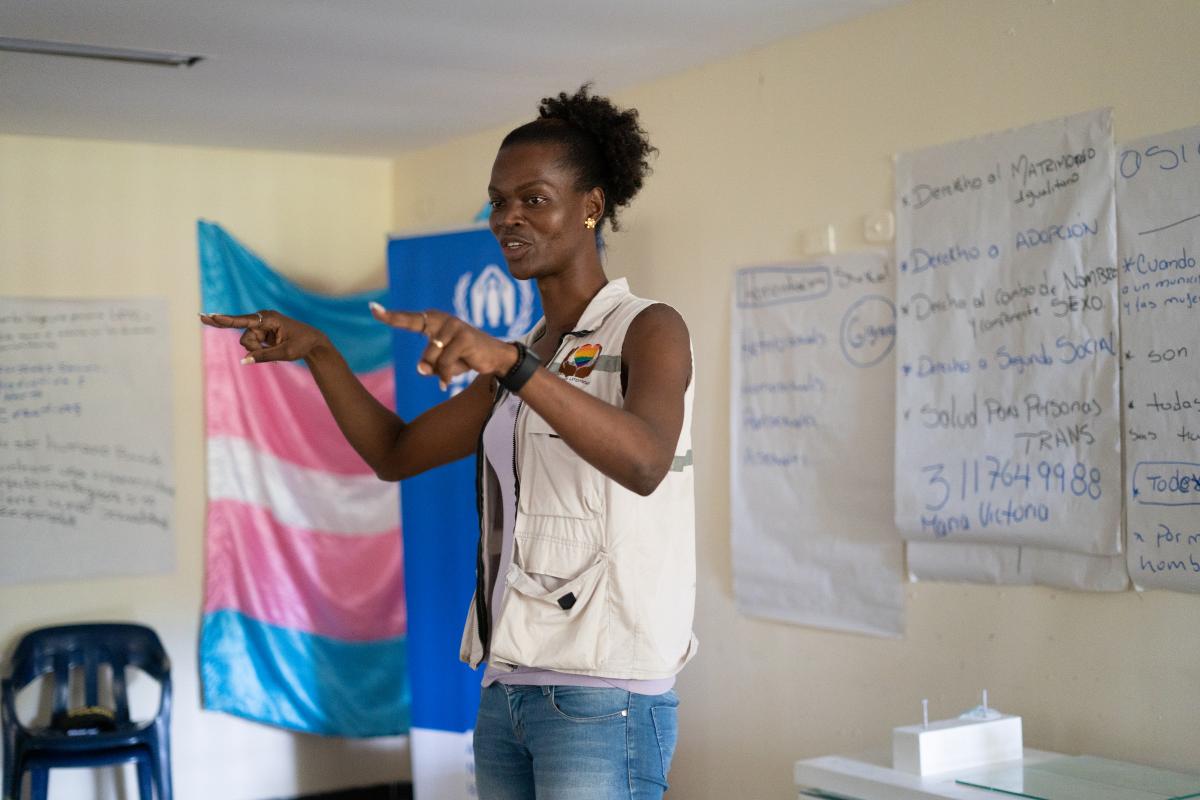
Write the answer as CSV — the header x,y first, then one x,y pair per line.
x,y
343,587
264,402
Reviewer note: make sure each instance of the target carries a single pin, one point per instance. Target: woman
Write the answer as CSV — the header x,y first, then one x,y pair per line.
x,y
586,573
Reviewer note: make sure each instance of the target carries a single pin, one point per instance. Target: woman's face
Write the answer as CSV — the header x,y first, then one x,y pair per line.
x,y
537,213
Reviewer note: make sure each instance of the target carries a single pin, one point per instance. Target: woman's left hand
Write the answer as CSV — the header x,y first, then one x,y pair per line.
x,y
454,346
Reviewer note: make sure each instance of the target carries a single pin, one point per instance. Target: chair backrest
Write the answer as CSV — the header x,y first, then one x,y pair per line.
x,y
60,649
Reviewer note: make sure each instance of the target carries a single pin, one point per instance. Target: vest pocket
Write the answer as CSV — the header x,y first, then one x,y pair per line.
x,y
555,608
555,482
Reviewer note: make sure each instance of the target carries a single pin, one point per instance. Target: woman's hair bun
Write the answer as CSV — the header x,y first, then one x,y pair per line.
x,y
606,145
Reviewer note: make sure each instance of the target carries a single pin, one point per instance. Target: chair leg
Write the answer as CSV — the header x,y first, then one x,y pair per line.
x,y
145,784
162,771
39,783
14,773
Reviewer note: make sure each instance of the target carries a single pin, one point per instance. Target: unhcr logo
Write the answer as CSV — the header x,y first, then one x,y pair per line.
x,y
496,304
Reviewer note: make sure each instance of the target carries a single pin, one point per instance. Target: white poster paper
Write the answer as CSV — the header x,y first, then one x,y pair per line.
x,y
1007,400
85,439
1014,565
811,445
1158,196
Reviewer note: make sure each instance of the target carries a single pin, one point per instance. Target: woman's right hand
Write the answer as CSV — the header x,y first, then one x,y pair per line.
x,y
270,336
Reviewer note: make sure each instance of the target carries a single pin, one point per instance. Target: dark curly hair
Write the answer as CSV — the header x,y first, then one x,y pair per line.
x,y
604,144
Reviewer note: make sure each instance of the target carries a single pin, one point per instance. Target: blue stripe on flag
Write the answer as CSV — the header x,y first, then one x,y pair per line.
x,y
233,280
302,681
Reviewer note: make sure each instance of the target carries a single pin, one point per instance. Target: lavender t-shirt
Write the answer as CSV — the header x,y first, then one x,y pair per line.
x,y
498,449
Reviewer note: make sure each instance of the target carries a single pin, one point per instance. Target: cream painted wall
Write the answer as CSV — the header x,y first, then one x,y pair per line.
x,y
757,148
86,218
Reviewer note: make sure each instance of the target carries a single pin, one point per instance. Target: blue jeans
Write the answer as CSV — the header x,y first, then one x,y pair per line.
x,y
573,743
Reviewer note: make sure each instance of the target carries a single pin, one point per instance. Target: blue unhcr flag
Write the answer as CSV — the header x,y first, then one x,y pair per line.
x,y
463,273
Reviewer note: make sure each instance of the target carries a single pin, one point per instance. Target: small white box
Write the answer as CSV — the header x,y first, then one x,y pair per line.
x,y
956,744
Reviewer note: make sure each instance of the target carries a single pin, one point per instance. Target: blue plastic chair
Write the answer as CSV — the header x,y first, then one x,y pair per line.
x,y
90,735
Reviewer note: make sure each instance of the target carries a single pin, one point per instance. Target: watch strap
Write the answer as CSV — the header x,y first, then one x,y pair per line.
x,y
525,367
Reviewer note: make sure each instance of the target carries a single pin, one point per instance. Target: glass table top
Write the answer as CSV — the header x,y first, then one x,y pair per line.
x,y
1084,778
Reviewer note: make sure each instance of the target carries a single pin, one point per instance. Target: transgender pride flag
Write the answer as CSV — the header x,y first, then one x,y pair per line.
x,y
304,612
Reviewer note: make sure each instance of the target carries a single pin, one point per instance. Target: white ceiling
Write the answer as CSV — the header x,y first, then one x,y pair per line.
x,y
367,77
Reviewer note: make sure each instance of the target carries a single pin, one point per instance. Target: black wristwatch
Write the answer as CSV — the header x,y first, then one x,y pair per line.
x,y
527,364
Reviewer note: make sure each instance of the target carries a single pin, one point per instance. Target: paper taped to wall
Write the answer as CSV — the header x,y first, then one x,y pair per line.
x,y
811,444
1007,413
86,483
1158,194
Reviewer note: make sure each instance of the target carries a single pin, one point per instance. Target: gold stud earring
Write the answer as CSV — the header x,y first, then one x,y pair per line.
x,y
590,222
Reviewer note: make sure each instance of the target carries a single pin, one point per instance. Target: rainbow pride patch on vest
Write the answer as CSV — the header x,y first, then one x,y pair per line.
x,y
580,362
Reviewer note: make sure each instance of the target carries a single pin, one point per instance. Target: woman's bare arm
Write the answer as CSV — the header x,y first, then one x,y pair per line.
x,y
633,445
393,448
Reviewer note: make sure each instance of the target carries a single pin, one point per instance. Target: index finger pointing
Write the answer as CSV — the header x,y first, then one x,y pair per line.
x,y
415,321
232,320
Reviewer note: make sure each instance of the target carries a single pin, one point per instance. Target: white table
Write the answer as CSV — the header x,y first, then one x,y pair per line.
x,y
870,776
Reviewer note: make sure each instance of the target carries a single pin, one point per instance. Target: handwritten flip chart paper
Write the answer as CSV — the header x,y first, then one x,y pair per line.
x,y
85,439
1013,565
1158,203
814,542
1007,400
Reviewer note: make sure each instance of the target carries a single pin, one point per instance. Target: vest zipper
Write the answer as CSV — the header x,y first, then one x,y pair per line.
x,y
483,621
516,475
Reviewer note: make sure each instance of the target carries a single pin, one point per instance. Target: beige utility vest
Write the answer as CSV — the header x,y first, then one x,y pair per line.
x,y
603,580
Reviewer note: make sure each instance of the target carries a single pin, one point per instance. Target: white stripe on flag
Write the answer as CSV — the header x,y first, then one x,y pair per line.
x,y
299,496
